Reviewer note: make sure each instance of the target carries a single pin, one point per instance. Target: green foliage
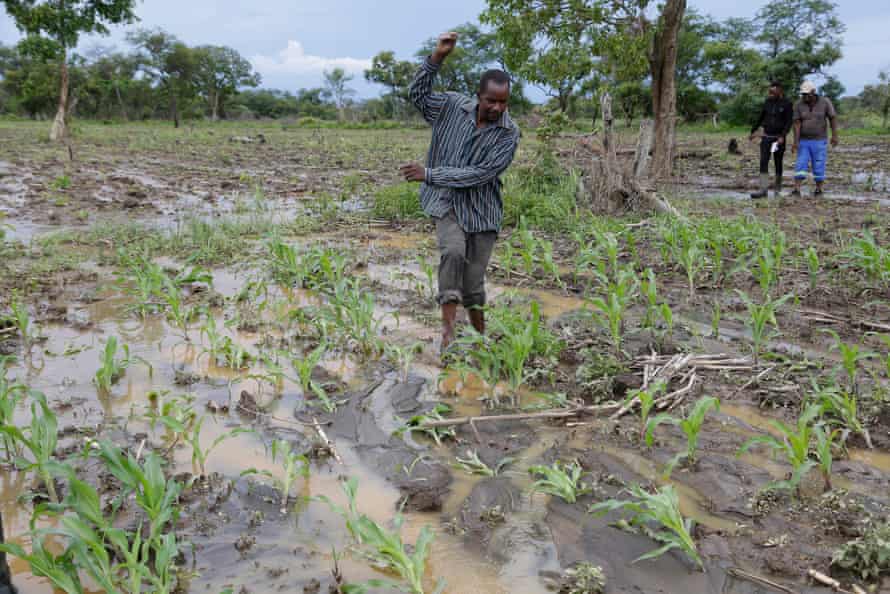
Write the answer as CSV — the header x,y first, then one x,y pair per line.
x,y
794,445
11,393
112,368
691,427
542,202
867,557
663,509
583,578
865,254
199,452
505,351
294,466
397,202
39,439
824,451
610,310
416,423
760,317
560,480
647,401
385,548
472,464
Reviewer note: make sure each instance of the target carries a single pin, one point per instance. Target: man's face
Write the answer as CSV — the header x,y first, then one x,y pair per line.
x,y
774,92
493,101
809,98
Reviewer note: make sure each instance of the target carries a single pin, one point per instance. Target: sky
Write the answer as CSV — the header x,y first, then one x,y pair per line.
x,y
291,42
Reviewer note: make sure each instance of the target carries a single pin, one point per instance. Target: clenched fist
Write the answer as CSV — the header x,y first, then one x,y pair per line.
x,y
413,172
445,46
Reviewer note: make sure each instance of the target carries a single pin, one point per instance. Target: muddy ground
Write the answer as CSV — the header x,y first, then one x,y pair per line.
x,y
203,196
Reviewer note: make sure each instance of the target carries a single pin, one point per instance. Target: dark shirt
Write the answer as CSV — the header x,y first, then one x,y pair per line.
x,y
775,117
464,163
814,118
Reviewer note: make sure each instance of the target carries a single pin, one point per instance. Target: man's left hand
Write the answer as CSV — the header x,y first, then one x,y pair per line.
x,y
781,141
835,140
413,172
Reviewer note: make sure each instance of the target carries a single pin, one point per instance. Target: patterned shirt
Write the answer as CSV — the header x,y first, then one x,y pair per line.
x,y
464,162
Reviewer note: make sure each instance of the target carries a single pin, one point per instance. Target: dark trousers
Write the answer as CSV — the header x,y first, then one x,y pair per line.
x,y
766,144
463,258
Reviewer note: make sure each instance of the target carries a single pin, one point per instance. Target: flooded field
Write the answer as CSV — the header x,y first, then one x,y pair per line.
x,y
250,318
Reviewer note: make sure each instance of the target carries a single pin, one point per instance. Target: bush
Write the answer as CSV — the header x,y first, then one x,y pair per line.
x,y
544,201
398,202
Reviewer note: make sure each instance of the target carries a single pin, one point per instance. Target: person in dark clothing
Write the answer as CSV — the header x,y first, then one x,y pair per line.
x,y
776,119
6,586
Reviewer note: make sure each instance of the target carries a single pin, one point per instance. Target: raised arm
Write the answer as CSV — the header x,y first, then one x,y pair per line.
x,y
498,159
421,90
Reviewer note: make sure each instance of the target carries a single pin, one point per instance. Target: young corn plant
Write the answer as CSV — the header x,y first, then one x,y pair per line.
x,y
841,408
438,434
178,312
824,451
691,258
112,368
39,440
762,316
294,466
811,256
661,508
403,356
560,480
794,446
199,452
472,464
428,269
610,311
385,548
23,323
647,402
691,427
851,357
11,393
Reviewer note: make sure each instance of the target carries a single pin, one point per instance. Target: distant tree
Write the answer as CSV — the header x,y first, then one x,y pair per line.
x,y
833,89
58,25
110,83
335,82
800,38
219,73
396,76
315,103
876,97
558,44
171,64
476,52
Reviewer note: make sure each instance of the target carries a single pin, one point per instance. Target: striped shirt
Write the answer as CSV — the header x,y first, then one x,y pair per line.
x,y
464,162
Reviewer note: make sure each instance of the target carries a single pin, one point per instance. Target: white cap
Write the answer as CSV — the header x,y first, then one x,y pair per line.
x,y
807,88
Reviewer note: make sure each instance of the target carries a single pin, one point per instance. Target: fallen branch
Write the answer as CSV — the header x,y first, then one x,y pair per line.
x,y
823,579
754,380
550,414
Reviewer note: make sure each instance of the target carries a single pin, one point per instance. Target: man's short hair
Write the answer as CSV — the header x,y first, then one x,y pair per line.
x,y
777,84
498,77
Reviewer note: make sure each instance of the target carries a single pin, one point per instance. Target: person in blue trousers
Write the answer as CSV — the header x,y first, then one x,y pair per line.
x,y
812,114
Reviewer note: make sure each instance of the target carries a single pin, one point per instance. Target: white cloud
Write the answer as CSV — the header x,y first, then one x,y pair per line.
x,y
294,60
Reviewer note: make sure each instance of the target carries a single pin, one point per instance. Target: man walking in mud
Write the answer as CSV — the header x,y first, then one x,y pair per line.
x,y
811,116
473,142
775,118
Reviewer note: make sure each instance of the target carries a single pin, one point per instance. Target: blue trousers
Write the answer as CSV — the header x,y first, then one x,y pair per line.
x,y
811,151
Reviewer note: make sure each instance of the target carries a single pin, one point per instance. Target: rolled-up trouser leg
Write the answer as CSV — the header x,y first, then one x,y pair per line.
x,y
479,248
801,166
452,243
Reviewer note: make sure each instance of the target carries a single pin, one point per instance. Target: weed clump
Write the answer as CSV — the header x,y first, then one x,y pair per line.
x,y
398,202
867,556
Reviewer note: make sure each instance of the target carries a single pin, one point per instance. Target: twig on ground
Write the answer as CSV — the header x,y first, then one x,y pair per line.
x,y
327,442
550,414
754,381
744,575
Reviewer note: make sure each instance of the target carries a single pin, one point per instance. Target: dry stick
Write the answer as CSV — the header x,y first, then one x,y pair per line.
x,y
8,330
551,414
297,422
744,575
826,581
327,442
753,380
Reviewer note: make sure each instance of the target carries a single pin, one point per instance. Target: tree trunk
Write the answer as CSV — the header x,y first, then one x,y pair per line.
x,y
120,100
174,111
663,67
214,103
60,129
